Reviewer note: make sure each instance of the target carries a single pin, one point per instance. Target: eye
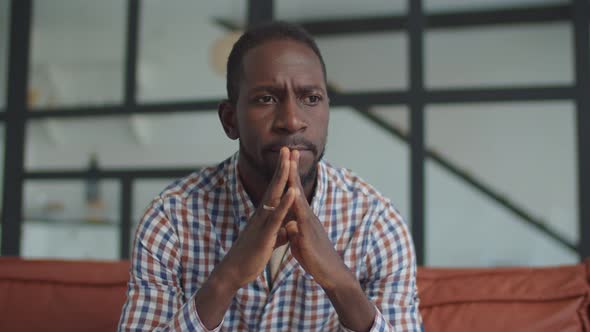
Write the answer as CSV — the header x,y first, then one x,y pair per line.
x,y
267,99
312,100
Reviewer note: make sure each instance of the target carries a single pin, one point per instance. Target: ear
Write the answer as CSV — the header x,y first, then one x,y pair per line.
x,y
227,115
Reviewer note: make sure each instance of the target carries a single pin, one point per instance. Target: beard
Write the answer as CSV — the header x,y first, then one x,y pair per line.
x,y
266,171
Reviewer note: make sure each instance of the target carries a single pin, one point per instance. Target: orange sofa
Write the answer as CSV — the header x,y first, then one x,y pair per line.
x,y
45,295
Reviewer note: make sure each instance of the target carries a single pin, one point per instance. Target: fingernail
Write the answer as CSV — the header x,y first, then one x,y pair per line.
x,y
295,192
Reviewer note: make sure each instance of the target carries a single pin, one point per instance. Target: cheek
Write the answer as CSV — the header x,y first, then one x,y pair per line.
x,y
321,128
253,126
306,161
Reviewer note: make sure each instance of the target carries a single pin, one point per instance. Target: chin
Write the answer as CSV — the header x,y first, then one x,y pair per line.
x,y
306,170
268,164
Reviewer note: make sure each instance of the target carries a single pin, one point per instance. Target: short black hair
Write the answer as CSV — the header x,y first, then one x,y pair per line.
x,y
256,36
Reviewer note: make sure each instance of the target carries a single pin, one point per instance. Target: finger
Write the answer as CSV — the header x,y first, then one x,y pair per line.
x,y
278,183
300,208
292,229
294,180
275,220
300,205
281,161
272,196
295,156
281,237
294,162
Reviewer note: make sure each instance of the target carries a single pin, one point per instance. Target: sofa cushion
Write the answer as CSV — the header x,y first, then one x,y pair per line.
x,y
505,299
47,295
52,295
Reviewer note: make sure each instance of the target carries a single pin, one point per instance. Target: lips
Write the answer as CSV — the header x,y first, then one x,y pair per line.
x,y
291,147
299,143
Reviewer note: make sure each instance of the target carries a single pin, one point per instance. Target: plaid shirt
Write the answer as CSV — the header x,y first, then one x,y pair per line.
x,y
193,223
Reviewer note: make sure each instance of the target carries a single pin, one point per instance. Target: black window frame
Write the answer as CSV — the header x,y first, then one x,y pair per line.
x,y
415,23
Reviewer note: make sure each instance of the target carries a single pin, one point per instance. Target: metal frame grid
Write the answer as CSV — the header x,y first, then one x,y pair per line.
x,y
415,23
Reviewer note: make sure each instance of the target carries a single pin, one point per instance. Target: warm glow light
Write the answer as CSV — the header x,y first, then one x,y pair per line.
x,y
220,51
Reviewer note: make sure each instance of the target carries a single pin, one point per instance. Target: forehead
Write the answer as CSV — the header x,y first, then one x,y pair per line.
x,y
278,61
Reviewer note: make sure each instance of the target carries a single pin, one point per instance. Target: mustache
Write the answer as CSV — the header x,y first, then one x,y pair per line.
x,y
299,143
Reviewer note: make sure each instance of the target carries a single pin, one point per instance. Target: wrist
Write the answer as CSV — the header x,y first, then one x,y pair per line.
x,y
213,299
223,281
345,291
341,280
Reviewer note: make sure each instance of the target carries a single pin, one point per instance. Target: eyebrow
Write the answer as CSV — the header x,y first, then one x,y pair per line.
x,y
261,88
309,88
277,88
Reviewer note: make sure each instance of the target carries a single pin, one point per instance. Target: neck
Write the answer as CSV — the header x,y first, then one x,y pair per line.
x,y
255,183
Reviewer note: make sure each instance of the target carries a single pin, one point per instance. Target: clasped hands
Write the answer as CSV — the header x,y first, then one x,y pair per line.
x,y
290,219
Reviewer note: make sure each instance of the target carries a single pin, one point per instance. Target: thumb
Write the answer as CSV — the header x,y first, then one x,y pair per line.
x,y
274,221
292,229
281,238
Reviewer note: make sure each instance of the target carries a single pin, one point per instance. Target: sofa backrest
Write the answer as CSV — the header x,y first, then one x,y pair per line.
x,y
506,299
38,295
47,295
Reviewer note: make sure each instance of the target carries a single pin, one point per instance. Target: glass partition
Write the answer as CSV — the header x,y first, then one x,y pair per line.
x,y
142,141
506,56
77,53
77,219
455,6
523,152
380,61
305,10
184,46
373,153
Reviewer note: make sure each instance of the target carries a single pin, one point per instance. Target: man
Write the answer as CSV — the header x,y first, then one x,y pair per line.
x,y
274,238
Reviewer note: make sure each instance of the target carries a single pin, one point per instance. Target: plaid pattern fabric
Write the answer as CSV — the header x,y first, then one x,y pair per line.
x,y
192,224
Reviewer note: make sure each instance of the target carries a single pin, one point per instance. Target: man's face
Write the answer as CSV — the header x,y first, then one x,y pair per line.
x,y
282,101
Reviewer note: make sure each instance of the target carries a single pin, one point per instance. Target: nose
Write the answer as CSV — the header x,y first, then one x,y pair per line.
x,y
288,117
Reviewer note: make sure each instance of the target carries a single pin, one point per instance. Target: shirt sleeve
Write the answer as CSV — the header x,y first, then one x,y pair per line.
x,y
155,298
391,274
